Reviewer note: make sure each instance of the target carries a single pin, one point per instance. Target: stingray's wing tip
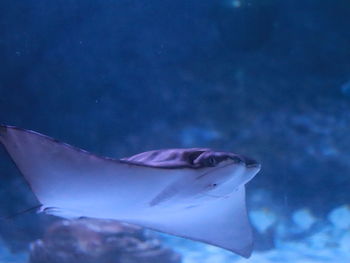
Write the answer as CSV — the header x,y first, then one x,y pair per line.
x,y
246,253
4,127
243,252
3,130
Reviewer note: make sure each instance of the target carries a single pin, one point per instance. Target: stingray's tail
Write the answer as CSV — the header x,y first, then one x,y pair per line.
x,y
25,211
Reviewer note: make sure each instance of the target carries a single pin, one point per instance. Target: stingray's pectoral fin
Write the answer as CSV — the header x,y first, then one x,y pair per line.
x,y
58,174
223,223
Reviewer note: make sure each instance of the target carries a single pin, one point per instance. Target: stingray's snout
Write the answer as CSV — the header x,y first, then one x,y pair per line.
x,y
249,162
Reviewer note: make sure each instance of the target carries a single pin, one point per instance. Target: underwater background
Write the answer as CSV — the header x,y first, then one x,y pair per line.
x,y
265,78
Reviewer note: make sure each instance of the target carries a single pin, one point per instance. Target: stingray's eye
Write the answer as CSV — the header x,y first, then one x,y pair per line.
x,y
211,161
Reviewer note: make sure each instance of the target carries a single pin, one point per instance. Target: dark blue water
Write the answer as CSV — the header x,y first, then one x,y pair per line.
x,y
269,79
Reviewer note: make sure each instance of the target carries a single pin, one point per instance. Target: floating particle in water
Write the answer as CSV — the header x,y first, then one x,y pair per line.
x,y
245,25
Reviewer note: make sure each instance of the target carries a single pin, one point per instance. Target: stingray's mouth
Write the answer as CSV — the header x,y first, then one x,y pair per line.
x,y
249,162
217,196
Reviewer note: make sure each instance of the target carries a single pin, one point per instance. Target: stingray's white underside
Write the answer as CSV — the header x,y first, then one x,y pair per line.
x,y
72,183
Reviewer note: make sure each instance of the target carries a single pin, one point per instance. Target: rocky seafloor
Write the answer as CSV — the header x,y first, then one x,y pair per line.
x,y
298,237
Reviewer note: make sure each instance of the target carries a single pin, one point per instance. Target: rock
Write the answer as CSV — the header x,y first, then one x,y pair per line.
x,y
321,239
344,243
8,256
303,219
262,219
340,217
102,241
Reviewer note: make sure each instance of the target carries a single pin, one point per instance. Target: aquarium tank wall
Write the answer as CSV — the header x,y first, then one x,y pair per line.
x,y
265,79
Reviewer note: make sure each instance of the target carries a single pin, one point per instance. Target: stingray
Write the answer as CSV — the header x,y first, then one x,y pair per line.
x,y
195,193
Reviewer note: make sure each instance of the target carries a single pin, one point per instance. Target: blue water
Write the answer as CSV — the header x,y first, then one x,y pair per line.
x,y
265,78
